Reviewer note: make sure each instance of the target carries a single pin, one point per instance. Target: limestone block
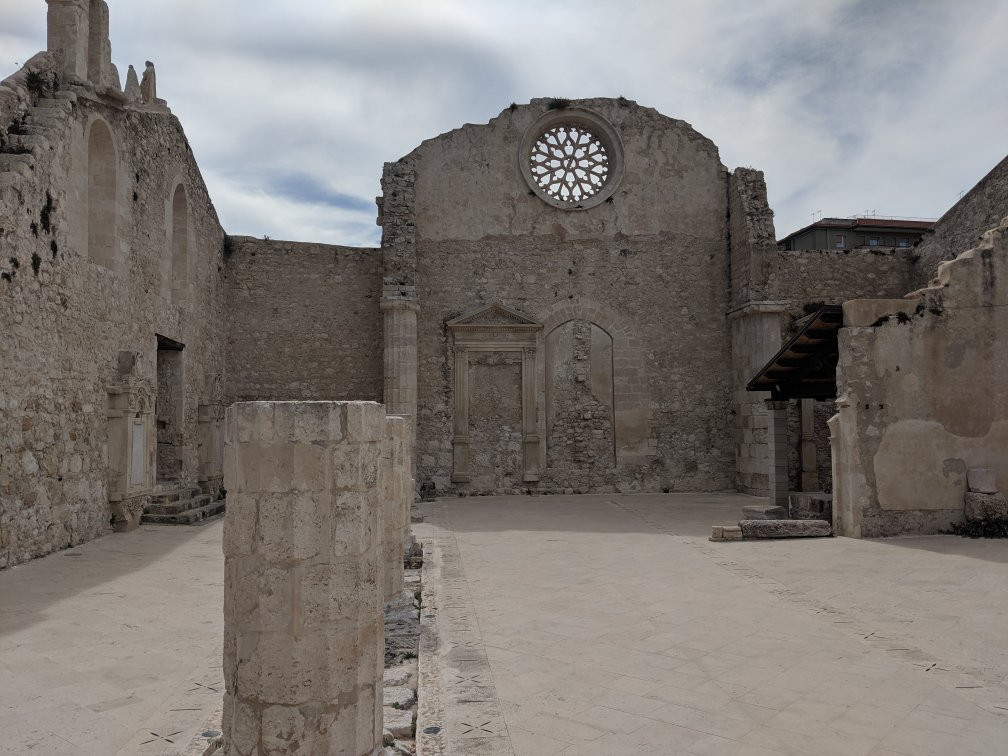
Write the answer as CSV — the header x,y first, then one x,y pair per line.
x,y
399,697
395,491
399,722
981,480
397,676
866,312
810,506
785,528
726,533
982,506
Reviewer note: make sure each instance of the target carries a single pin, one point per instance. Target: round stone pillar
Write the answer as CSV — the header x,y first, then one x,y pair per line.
x,y
303,534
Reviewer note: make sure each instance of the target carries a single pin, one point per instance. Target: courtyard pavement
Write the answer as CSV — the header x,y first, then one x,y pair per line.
x,y
611,625
578,625
113,647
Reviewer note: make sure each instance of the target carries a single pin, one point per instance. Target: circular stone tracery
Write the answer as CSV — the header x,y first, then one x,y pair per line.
x,y
569,163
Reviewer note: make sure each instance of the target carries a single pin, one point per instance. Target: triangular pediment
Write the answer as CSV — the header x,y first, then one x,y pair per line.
x,y
494,314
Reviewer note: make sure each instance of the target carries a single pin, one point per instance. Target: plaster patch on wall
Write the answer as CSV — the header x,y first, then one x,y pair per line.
x,y
913,468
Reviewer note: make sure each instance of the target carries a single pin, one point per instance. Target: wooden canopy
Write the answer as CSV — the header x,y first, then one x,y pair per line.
x,y
805,367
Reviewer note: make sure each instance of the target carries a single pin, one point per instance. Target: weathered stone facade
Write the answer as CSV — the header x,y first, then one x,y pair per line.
x,y
480,235
923,398
542,320
109,241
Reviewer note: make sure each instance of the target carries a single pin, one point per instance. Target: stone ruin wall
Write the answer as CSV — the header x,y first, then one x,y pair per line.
x,y
753,324
303,321
654,260
802,281
923,399
65,318
960,228
772,290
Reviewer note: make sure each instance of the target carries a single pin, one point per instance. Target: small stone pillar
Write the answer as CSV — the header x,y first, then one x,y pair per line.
x,y
210,440
100,48
303,624
809,461
400,347
393,462
67,35
777,456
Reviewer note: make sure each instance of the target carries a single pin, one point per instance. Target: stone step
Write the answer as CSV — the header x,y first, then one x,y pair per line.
x,y
188,517
36,142
22,163
57,104
37,128
54,114
764,512
10,179
785,528
168,495
45,119
177,507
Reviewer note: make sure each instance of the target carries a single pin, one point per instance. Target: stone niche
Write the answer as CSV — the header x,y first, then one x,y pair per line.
x,y
500,347
210,432
580,423
131,445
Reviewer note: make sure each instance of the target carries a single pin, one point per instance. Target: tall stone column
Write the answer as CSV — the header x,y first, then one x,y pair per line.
x,y
303,626
756,337
400,332
777,448
68,34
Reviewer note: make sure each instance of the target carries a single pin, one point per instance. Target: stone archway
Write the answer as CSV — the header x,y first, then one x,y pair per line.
x,y
630,393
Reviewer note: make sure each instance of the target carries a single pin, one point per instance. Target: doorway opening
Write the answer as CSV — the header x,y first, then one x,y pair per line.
x,y
169,409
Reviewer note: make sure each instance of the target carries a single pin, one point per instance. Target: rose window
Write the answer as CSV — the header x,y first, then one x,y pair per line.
x,y
569,164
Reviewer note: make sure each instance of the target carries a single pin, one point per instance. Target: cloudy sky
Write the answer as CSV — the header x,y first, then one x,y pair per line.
x,y
886,106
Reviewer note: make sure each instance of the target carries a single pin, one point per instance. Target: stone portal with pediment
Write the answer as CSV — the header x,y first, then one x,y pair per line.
x,y
496,328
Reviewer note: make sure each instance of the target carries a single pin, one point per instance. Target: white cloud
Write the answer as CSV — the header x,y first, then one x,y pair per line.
x,y
846,105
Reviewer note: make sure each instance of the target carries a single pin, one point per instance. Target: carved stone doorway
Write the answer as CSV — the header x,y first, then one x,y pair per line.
x,y
169,409
491,330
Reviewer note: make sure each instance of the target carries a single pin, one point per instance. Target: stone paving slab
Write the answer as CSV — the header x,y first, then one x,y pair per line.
x,y
113,646
575,625
612,625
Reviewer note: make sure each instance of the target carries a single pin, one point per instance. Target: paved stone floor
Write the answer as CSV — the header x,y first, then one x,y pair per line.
x,y
611,625
113,647
585,625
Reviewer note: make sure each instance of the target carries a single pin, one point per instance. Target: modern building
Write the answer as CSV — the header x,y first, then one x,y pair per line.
x,y
851,233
